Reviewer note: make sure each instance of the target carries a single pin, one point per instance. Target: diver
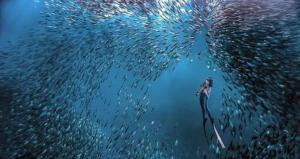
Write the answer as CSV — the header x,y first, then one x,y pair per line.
x,y
204,94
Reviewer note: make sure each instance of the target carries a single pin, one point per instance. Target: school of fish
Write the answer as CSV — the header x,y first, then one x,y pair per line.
x,y
50,78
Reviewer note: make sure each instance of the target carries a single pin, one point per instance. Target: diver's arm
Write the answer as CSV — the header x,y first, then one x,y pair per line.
x,y
208,90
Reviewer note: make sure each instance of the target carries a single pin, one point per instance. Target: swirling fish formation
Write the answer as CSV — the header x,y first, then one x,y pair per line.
x,y
257,44
51,77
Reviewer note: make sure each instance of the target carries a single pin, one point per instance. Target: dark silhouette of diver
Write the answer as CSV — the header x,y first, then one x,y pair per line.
x,y
204,93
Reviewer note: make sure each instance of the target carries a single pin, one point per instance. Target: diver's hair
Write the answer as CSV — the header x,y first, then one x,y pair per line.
x,y
210,82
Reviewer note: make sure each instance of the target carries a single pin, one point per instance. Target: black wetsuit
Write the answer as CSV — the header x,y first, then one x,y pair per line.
x,y
203,103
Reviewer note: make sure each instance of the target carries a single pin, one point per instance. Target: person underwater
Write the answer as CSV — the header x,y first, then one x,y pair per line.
x,y
204,93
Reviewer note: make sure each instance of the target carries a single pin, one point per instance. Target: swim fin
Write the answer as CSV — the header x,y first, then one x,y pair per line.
x,y
219,138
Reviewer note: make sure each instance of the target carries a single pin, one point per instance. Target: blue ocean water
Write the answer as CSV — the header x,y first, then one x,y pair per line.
x,y
86,89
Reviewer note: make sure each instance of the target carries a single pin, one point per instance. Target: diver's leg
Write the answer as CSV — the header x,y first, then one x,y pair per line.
x,y
204,119
208,112
214,127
